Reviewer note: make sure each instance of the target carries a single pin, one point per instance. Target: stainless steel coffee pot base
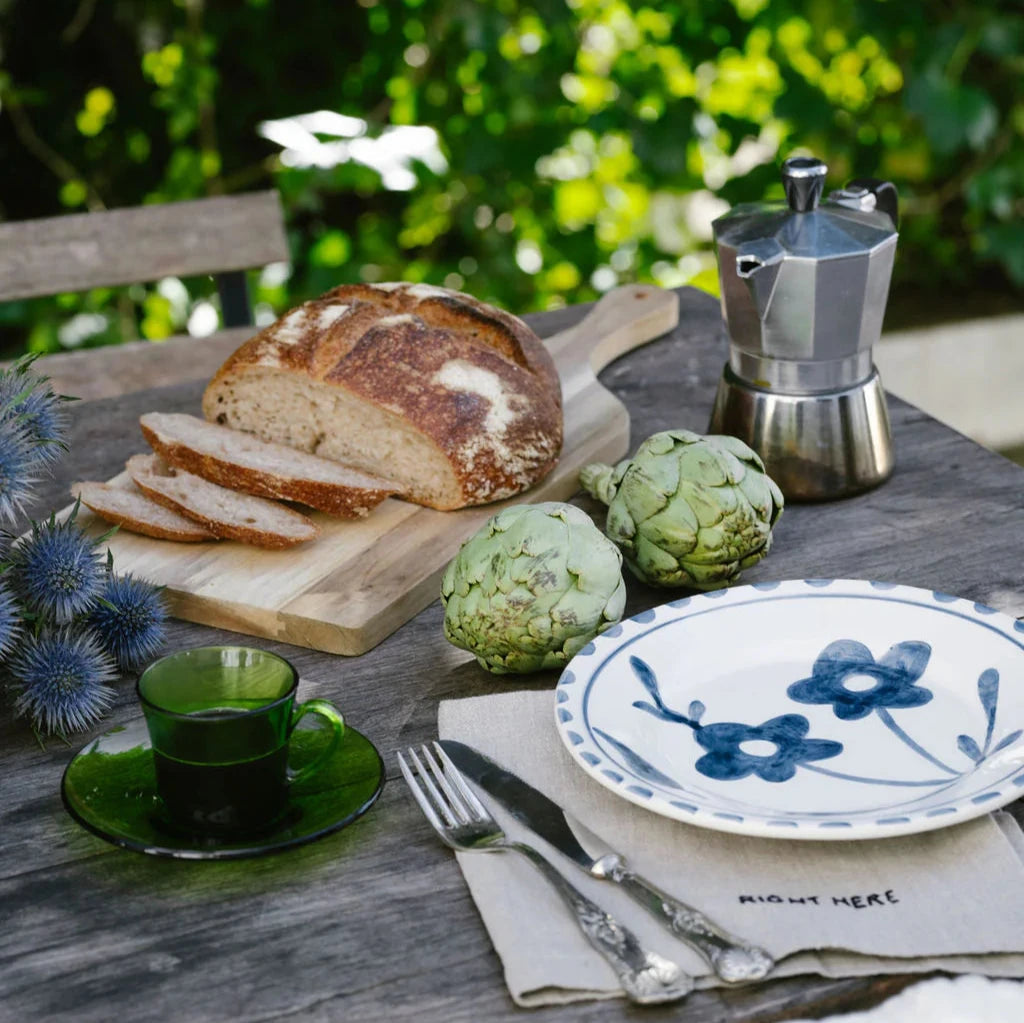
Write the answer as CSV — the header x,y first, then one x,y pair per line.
x,y
815,446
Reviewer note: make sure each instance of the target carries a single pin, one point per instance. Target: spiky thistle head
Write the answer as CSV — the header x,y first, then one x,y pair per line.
x,y
28,400
18,465
61,676
10,620
45,420
129,620
57,571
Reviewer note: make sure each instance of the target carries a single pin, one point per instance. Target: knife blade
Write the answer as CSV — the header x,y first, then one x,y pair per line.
x,y
733,959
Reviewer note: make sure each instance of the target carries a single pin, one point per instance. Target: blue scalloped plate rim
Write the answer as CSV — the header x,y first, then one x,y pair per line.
x,y
816,709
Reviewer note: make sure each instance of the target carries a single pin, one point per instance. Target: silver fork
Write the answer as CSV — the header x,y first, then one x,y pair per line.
x,y
465,824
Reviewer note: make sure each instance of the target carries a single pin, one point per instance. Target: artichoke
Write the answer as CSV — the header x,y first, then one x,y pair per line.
x,y
688,510
532,587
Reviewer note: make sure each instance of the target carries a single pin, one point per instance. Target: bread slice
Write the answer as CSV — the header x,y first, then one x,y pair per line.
x,y
133,510
226,513
241,461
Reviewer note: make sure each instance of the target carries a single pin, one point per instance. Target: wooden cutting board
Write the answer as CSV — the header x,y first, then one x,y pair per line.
x,y
359,581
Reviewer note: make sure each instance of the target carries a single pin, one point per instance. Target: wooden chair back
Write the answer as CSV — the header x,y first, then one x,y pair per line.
x,y
222,236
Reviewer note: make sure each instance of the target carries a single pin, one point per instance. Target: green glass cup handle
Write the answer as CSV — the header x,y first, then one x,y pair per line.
x,y
333,717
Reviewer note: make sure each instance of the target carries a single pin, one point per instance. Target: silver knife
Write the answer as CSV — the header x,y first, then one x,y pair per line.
x,y
732,959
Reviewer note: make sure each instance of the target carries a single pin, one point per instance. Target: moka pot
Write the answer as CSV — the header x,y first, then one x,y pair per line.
x,y
804,286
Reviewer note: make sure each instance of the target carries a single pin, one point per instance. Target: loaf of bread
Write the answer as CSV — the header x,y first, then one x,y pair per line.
x,y
129,508
241,461
225,513
456,401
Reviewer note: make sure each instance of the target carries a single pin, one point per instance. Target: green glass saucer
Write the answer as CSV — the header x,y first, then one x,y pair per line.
x,y
110,789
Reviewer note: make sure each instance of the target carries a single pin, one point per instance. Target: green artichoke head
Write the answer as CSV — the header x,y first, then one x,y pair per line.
x,y
533,586
688,510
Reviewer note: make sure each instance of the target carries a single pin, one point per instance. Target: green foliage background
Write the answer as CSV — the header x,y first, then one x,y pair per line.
x,y
582,142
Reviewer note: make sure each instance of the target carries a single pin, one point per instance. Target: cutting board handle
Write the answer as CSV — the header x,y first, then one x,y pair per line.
x,y
622,320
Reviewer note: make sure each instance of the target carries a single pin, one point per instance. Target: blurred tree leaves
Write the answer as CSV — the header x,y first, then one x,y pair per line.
x,y
533,152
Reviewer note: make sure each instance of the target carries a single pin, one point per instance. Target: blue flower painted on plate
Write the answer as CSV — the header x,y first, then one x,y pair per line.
x,y
727,760
895,676
775,749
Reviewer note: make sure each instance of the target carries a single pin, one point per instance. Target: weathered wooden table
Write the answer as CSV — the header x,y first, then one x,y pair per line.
x,y
375,923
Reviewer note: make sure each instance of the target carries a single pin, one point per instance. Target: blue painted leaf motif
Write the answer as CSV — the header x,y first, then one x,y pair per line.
x,y
636,763
1008,740
649,681
647,678
648,708
696,710
969,748
988,691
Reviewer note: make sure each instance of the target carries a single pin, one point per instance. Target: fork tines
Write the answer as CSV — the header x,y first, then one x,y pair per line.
x,y
436,774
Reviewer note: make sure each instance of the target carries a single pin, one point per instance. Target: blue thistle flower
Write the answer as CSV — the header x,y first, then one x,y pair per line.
x,y
28,400
62,676
10,620
57,571
17,469
129,620
45,421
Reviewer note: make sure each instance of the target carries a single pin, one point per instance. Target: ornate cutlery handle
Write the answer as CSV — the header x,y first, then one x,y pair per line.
x,y
732,959
645,976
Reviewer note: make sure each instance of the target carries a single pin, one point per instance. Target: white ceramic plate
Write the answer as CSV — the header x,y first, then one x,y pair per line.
x,y
808,709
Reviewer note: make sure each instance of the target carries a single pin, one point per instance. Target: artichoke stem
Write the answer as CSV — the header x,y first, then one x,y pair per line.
x,y
600,481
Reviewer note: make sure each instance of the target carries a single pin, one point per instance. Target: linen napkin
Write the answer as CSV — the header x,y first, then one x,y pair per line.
x,y
950,900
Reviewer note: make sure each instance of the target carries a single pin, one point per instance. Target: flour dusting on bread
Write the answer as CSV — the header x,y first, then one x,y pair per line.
x,y
290,329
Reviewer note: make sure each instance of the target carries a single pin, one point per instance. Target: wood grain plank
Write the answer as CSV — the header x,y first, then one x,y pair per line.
x,y
375,923
143,243
116,370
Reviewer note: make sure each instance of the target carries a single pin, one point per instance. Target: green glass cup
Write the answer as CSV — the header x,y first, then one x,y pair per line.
x,y
219,720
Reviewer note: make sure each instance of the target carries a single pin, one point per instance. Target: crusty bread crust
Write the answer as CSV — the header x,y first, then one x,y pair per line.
x,y
353,498
473,381
134,511
176,490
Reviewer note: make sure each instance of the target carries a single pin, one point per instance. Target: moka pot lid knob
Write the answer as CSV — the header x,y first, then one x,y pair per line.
x,y
803,178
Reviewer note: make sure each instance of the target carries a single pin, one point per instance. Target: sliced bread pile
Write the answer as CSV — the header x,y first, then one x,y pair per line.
x,y
243,462
208,482
366,392
127,506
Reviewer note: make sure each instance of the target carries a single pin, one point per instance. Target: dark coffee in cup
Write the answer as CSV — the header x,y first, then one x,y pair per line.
x,y
219,719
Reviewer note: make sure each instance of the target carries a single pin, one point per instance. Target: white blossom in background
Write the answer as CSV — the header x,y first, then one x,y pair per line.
x,y
263,314
80,328
528,257
273,275
204,319
176,294
390,153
